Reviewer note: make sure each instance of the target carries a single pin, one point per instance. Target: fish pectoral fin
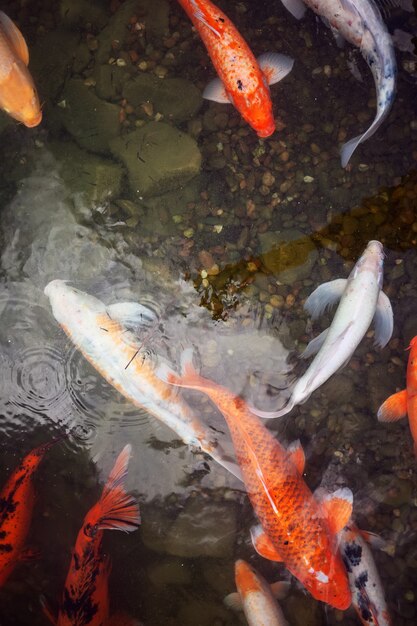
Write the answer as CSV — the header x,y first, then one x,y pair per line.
x,y
215,91
325,296
297,8
384,320
296,454
394,408
275,66
15,38
337,508
314,345
374,540
132,314
339,39
280,589
263,545
233,601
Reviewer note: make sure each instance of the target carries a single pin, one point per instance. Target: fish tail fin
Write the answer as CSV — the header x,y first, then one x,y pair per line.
x,y
46,610
349,148
117,509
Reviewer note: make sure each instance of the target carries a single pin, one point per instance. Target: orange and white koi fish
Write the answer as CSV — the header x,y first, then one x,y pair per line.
x,y
18,96
256,598
101,333
404,402
367,591
17,499
85,598
243,80
296,528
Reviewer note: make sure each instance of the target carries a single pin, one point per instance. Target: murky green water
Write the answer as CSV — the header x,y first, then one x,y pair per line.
x,y
81,200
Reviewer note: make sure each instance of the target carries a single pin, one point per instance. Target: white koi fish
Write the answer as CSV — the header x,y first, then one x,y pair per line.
x,y
101,334
361,301
361,24
256,598
365,584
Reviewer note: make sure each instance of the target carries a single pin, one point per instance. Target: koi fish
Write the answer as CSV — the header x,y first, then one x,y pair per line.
x,y
360,23
101,334
365,583
243,80
295,528
404,402
256,598
17,499
85,596
18,96
361,301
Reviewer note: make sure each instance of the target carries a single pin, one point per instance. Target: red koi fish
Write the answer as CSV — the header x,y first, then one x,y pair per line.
x,y
404,402
18,95
243,80
296,528
17,499
85,597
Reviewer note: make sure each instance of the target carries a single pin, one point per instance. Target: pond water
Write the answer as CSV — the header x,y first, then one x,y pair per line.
x,y
135,189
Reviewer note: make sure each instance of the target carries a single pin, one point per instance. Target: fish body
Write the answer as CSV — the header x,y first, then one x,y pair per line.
x,y
255,597
361,301
85,597
404,402
16,506
243,80
367,591
18,96
296,528
360,23
100,333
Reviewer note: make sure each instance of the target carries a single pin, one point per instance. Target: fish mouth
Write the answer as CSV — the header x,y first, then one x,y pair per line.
x,y
34,121
266,132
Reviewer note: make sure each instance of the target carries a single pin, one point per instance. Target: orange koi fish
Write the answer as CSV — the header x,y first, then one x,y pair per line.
x,y
243,80
256,598
16,505
85,597
404,402
18,96
296,528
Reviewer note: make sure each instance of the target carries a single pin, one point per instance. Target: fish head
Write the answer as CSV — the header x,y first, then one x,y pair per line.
x,y
372,260
331,584
413,343
246,579
71,304
19,97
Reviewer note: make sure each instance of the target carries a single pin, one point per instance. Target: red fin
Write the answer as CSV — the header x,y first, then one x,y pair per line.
x,y
118,510
263,545
337,507
47,611
296,453
394,408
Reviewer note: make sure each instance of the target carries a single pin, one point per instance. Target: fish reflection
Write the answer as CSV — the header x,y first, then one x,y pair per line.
x,y
361,301
359,22
404,402
18,95
85,598
101,333
243,80
17,499
295,527
256,598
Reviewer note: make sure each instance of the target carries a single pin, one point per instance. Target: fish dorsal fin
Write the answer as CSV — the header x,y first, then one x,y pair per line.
x,y
325,296
215,91
132,315
297,8
263,545
296,454
337,508
15,37
275,66
394,408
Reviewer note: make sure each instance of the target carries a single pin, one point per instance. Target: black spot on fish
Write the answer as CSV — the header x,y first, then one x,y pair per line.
x,y
362,579
240,85
347,565
353,553
221,19
2,534
5,547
